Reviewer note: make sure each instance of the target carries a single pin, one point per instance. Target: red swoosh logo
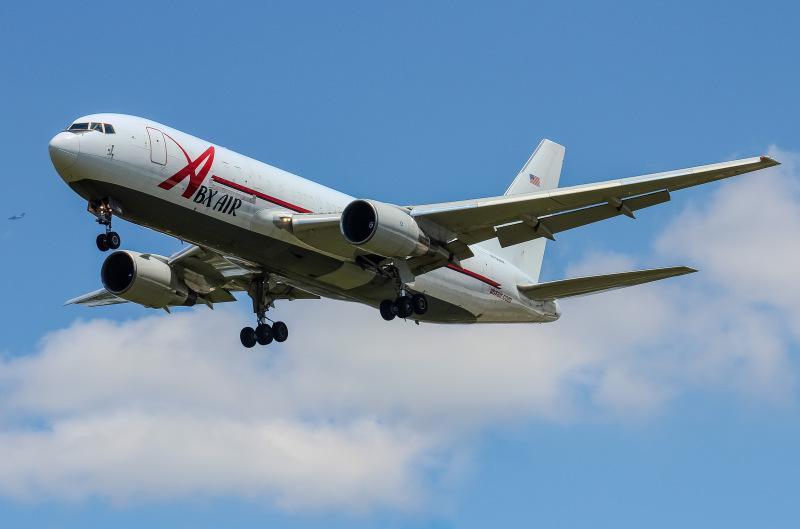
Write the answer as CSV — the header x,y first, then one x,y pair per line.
x,y
195,177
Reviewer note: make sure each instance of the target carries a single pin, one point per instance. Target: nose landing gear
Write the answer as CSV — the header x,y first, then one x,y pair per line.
x,y
109,240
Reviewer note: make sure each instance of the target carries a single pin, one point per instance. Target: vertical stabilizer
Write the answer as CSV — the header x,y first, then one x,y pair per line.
x,y
540,173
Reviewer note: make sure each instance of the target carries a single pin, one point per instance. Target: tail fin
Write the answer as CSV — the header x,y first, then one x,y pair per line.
x,y
540,173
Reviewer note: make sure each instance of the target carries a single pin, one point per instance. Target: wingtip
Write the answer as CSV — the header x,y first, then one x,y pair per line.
x,y
675,271
771,162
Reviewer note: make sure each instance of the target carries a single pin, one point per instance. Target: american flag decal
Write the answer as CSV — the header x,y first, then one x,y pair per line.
x,y
535,180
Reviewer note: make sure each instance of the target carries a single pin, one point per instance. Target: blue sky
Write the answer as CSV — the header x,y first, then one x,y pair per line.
x,y
667,405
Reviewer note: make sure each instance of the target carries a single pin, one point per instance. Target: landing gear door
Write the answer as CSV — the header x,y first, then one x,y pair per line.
x,y
158,147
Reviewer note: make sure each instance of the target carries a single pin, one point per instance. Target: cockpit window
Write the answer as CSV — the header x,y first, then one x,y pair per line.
x,y
105,128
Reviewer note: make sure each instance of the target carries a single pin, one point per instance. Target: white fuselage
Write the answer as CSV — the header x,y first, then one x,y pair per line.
x,y
186,187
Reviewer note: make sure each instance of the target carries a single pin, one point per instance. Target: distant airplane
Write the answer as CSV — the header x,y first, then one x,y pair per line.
x,y
276,236
17,217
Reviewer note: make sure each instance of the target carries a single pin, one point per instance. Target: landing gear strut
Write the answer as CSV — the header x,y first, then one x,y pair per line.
x,y
403,306
264,333
110,239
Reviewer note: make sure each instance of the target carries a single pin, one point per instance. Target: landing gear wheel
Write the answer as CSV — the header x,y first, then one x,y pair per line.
x,y
102,242
280,331
262,301
248,337
403,307
263,334
419,304
113,240
387,310
103,210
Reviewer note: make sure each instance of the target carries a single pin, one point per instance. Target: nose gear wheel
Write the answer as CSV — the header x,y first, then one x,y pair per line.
x,y
110,240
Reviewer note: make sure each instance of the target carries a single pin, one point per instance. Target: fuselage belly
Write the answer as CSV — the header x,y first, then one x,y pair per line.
x,y
177,184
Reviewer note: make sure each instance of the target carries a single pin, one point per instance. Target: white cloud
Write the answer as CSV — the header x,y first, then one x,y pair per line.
x,y
353,412
747,237
136,456
162,410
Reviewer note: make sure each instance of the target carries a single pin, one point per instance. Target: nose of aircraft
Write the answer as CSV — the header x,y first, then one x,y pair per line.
x,y
64,149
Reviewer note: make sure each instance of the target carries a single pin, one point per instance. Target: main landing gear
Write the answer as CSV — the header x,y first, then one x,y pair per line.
x,y
264,333
404,305
110,239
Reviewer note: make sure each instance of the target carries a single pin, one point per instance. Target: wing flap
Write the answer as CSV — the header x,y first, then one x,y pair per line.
x,y
206,271
534,228
567,288
290,292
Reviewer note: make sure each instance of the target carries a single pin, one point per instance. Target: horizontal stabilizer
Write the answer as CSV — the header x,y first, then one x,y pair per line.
x,y
567,288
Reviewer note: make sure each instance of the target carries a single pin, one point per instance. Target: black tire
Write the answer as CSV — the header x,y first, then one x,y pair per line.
x,y
403,307
264,334
419,304
113,240
387,310
280,331
102,242
248,337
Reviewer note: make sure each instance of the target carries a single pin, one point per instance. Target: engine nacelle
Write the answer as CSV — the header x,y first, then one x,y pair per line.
x,y
146,280
384,229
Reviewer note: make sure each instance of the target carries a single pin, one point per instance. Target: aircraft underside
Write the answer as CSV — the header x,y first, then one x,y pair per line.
x,y
277,236
291,264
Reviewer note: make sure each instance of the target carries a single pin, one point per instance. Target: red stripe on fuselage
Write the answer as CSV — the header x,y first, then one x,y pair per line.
x,y
298,209
268,198
475,276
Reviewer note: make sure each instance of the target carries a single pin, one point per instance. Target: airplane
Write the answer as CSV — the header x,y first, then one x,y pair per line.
x,y
276,236
16,217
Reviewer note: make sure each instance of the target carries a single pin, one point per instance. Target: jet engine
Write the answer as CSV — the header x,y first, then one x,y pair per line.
x,y
145,279
384,229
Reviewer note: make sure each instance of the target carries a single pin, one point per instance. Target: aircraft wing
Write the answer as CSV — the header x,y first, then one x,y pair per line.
x,y
518,218
582,286
98,298
212,275
206,271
